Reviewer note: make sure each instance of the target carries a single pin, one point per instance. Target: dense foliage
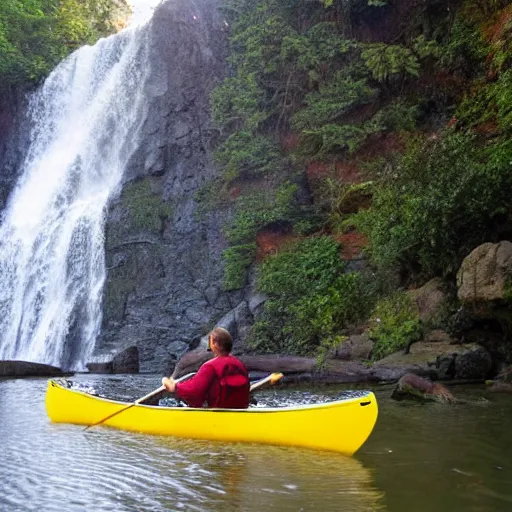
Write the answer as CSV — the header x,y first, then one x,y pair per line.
x,y
253,213
448,191
395,324
440,200
36,34
414,96
311,298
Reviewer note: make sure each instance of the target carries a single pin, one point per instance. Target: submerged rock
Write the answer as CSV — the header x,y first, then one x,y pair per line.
x,y
503,381
500,387
28,369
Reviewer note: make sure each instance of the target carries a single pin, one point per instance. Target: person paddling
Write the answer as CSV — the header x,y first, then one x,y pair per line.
x,y
222,382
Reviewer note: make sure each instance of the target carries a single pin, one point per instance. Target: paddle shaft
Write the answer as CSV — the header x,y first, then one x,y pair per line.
x,y
139,401
273,378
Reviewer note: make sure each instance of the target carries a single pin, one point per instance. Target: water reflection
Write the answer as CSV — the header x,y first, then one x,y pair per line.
x,y
248,477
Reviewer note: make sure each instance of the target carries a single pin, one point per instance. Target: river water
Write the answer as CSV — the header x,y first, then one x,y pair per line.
x,y
419,458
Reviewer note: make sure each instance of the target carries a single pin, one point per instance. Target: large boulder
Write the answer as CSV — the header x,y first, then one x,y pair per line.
x,y
355,348
28,369
126,361
444,361
483,276
429,299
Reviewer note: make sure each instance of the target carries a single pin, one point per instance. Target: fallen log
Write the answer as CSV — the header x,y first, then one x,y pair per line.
x,y
295,368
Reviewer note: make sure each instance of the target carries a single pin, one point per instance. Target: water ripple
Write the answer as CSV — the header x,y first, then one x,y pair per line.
x,y
55,467
421,458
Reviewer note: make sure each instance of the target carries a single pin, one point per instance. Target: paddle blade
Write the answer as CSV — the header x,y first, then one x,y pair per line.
x,y
275,377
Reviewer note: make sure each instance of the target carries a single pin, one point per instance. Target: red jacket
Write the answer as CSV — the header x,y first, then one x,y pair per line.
x,y
222,382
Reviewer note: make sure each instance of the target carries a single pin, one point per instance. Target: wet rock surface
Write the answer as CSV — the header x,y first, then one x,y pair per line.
x,y
429,299
443,361
355,347
418,388
164,255
28,369
126,361
14,139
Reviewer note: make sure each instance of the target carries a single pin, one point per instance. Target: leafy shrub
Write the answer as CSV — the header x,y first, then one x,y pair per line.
x,y
330,139
398,116
345,91
395,324
253,213
237,260
341,199
257,210
424,47
466,49
441,199
321,43
244,154
238,101
502,95
311,298
386,61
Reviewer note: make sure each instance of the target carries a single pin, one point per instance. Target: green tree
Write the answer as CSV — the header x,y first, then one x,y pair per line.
x,y
36,34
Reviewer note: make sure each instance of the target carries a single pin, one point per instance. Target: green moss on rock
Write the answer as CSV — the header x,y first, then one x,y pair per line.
x,y
146,210
117,290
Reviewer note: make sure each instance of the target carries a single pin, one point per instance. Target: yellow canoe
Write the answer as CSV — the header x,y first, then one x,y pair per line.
x,y
341,426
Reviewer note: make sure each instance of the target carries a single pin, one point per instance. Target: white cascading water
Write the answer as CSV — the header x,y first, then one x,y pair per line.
x,y
85,122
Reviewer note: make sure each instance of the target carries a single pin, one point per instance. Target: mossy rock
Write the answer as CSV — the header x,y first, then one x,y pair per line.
x,y
146,210
449,361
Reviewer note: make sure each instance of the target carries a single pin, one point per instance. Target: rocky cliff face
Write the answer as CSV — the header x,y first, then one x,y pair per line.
x,y
14,138
164,285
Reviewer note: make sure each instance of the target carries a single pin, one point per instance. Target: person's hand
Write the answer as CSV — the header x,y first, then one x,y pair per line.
x,y
169,384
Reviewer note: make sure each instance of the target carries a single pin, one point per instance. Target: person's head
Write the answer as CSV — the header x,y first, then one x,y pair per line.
x,y
220,341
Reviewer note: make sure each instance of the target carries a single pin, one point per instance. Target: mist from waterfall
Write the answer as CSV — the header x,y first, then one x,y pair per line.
x,y
85,121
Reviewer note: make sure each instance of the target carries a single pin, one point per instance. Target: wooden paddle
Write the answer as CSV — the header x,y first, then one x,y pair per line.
x,y
140,401
272,378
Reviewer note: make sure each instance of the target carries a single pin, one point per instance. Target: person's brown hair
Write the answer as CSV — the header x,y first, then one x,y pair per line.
x,y
223,339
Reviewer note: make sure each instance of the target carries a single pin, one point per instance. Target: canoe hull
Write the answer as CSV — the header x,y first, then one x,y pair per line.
x,y
341,426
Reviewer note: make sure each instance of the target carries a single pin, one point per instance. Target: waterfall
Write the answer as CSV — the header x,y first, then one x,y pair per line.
x,y
85,120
